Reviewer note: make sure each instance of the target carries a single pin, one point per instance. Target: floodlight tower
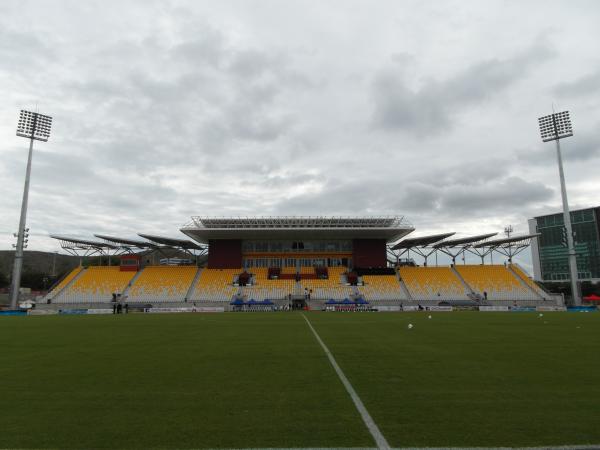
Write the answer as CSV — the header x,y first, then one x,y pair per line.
x,y
555,127
35,127
507,231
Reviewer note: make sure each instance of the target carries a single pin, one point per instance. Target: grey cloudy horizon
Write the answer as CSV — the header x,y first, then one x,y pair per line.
x,y
168,109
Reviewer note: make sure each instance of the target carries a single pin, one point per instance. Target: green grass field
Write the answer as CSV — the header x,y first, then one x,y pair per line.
x,y
262,380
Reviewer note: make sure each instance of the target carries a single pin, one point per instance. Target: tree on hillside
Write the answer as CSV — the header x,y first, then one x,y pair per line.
x,y
35,280
4,280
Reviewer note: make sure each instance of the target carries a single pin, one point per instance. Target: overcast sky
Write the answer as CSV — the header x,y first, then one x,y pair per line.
x,y
164,110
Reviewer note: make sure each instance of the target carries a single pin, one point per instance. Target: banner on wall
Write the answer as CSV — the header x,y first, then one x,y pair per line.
x,y
410,308
186,309
208,309
168,310
494,308
387,308
550,308
439,308
41,312
72,311
100,311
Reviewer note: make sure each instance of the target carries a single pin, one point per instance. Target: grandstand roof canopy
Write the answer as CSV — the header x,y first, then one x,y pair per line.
x,y
464,241
126,242
421,241
390,228
172,242
82,243
524,239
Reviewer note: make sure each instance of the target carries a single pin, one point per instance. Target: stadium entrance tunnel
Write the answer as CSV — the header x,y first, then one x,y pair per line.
x,y
298,303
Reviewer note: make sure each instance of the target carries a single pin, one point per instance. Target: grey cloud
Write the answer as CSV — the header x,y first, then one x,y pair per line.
x,y
336,197
403,58
251,64
421,197
233,102
287,179
472,196
17,48
584,86
473,172
261,128
417,197
583,148
495,196
580,148
431,108
209,48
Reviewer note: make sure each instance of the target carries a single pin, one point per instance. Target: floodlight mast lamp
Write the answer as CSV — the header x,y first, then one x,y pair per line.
x,y
35,127
555,127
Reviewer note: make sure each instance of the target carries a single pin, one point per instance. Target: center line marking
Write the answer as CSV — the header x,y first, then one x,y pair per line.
x,y
366,417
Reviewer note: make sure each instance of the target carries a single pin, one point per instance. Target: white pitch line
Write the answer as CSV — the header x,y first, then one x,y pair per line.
x,y
366,417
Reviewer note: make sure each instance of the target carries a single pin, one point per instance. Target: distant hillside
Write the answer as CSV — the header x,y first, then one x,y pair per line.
x,y
37,262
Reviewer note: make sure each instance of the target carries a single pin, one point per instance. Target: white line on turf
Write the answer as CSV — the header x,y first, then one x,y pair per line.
x,y
366,417
560,447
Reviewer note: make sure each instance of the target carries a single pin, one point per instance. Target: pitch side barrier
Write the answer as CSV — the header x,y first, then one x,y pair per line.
x,y
494,308
79,311
214,309
12,312
520,308
98,311
219,309
582,309
412,308
42,312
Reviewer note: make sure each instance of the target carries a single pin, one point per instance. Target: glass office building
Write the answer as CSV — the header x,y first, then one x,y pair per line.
x,y
549,253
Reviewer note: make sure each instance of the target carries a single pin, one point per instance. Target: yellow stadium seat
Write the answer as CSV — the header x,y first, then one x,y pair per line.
x,y
381,287
162,283
215,285
97,284
64,282
432,283
263,288
497,281
532,284
326,289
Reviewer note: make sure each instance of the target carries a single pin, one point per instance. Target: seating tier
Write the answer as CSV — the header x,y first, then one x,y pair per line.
x,y
432,283
162,283
65,281
381,287
497,281
96,284
326,289
264,288
215,285
532,284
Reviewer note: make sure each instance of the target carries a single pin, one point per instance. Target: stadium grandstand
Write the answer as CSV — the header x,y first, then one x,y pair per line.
x,y
298,262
